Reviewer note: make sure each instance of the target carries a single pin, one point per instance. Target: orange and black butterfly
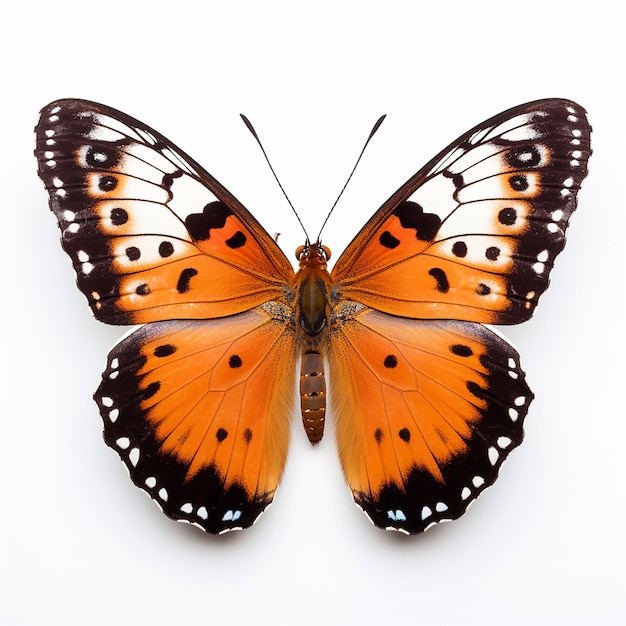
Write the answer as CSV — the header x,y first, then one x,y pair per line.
x,y
428,401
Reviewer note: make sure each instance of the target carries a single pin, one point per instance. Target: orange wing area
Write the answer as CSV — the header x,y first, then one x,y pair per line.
x,y
426,413
474,234
199,411
152,236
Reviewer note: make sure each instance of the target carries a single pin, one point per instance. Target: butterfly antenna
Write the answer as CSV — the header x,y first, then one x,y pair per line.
x,y
248,123
379,121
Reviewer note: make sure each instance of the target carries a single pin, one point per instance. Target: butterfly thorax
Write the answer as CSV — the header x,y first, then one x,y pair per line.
x,y
312,287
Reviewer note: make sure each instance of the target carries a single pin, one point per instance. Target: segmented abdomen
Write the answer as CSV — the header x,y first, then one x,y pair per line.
x,y
313,395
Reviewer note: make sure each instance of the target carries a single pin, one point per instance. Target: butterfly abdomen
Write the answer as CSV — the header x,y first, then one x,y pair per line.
x,y
313,395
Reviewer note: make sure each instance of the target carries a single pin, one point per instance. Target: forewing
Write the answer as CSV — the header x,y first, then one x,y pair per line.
x,y
474,234
152,235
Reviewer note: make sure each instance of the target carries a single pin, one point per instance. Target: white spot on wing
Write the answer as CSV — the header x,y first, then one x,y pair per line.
x,y
100,133
146,136
133,456
123,443
189,196
517,128
493,454
397,515
503,442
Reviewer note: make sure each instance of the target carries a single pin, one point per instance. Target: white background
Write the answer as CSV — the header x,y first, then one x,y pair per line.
x,y
80,544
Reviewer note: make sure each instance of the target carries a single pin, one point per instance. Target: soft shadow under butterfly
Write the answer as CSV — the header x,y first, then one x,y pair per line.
x,y
428,402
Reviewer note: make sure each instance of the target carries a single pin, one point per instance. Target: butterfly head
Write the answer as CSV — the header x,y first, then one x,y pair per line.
x,y
313,255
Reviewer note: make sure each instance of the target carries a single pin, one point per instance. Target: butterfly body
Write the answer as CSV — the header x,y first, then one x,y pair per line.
x,y
427,401
313,289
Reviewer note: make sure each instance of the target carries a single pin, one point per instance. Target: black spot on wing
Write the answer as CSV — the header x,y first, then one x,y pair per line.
x,y
507,216
390,361
166,349
168,179
221,434
457,179
234,361
236,241
492,253
461,350
459,249
133,253
412,215
107,183
119,217
184,279
519,182
387,240
151,390
214,215
166,249
476,390
442,286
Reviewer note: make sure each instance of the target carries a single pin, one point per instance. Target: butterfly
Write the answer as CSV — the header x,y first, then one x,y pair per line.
x,y
427,400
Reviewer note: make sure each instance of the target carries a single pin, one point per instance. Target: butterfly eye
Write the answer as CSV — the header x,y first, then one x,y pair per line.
x,y
316,252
